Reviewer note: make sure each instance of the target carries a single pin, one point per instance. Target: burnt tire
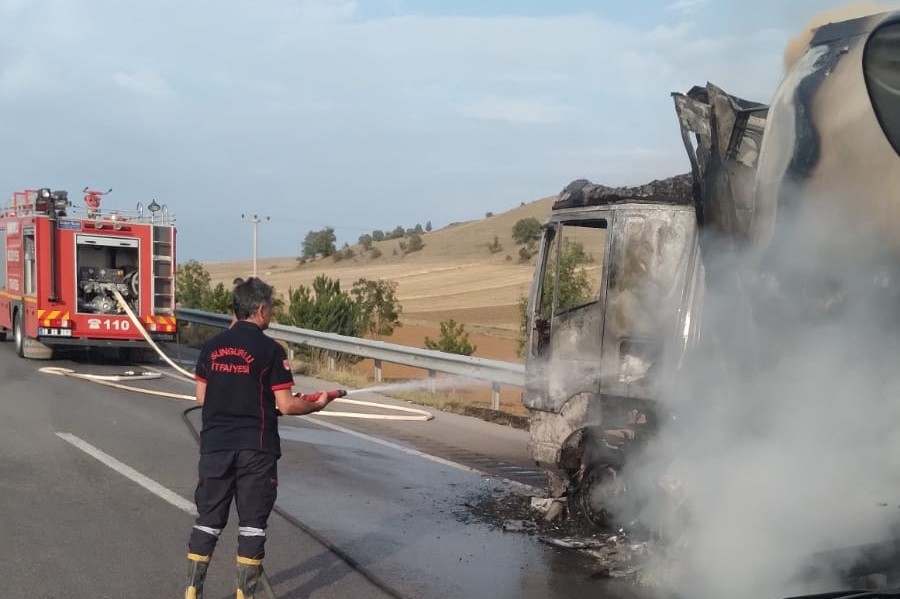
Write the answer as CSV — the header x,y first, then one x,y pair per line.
x,y
590,501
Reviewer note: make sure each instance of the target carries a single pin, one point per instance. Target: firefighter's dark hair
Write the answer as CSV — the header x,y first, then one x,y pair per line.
x,y
249,295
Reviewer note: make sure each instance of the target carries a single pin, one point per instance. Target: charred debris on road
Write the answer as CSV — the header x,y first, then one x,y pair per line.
x,y
613,554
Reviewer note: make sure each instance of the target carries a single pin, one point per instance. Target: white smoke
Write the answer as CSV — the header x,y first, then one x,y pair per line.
x,y
784,441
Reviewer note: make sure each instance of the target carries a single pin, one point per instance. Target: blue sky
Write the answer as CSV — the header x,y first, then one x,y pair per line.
x,y
364,114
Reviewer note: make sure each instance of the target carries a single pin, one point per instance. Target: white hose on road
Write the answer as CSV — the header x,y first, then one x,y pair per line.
x,y
108,381
146,335
420,414
415,414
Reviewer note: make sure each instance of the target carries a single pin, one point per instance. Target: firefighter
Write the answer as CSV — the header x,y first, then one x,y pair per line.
x,y
239,442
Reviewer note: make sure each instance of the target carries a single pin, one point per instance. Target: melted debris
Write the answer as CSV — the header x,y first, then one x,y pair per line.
x,y
617,554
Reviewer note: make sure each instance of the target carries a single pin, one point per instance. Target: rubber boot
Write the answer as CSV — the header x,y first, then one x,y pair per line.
x,y
197,565
249,572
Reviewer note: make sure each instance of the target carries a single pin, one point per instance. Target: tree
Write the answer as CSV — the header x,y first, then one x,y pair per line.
x,y
323,307
377,235
418,229
526,230
191,285
366,241
453,340
398,232
415,244
379,309
219,300
428,227
319,242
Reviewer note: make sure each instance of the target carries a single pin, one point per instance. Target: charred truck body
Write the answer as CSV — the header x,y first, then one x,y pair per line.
x,y
62,268
641,257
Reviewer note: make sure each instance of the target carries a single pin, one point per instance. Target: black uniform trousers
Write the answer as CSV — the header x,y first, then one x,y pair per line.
x,y
248,476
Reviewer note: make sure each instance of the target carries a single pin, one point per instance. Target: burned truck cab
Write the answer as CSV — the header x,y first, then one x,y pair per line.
x,y
617,296
617,278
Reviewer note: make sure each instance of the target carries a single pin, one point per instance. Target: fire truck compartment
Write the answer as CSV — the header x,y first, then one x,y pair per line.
x,y
104,264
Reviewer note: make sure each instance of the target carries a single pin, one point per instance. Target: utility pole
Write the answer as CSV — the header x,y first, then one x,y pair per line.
x,y
255,221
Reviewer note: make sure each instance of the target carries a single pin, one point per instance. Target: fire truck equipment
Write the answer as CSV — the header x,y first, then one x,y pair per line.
x,y
62,266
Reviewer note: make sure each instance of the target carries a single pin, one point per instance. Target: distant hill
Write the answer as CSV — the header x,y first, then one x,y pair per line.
x,y
453,276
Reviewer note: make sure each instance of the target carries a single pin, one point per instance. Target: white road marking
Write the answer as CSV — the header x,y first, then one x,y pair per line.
x,y
130,473
521,487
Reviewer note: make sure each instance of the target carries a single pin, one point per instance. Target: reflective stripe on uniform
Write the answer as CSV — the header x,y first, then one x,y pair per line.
x,y
210,531
250,531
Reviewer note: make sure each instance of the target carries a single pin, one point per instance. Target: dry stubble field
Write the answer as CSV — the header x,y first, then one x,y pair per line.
x,y
454,276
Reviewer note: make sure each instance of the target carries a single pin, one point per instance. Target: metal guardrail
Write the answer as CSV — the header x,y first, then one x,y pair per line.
x,y
496,372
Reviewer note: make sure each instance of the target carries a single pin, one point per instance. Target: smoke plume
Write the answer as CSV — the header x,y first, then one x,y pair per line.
x,y
782,450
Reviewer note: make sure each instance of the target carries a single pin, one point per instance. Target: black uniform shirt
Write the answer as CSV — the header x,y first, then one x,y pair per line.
x,y
242,368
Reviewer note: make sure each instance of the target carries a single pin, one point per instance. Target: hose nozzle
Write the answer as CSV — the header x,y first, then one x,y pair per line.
x,y
334,394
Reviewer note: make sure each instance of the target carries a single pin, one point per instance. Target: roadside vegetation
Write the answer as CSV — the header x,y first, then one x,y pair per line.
x,y
369,308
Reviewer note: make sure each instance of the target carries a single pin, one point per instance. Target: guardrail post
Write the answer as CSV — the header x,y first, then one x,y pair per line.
x,y
331,361
495,396
378,375
432,381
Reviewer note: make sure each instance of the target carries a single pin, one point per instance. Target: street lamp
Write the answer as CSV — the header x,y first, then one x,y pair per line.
x,y
254,220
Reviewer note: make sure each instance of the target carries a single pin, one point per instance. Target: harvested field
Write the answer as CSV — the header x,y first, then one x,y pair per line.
x,y
455,276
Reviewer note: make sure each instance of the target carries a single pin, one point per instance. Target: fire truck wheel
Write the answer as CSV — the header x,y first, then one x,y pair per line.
x,y
29,348
19,335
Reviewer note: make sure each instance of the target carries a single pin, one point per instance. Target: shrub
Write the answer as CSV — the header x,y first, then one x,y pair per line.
x,y
494,246
526,230
415,243
453,340
324,307
525,254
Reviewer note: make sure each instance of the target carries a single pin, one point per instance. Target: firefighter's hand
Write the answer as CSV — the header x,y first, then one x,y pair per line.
x,y
321,401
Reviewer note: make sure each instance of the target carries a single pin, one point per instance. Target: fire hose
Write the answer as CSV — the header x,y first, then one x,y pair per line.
x,y
414,414
336,395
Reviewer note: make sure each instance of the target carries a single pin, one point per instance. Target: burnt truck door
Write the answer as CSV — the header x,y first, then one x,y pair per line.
x,y
652,297
566,310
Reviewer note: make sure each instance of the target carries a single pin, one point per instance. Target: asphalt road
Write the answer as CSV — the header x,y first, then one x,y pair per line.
x,y
97,484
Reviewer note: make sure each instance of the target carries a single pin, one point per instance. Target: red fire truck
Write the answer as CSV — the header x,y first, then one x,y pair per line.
x,y
66,271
